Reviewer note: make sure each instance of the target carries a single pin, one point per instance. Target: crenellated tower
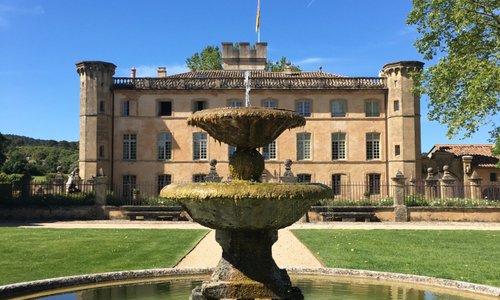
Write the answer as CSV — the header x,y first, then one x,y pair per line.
x,y
403,118
96,117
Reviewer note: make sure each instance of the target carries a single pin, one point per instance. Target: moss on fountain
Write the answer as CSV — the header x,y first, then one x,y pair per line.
x,y
245,205
246,127
242,189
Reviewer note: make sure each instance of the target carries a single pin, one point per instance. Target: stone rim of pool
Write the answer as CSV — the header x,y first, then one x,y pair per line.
x,y
74,283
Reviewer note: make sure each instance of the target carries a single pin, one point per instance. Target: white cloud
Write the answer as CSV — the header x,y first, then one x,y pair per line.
x,y
7,12
312,60
151,71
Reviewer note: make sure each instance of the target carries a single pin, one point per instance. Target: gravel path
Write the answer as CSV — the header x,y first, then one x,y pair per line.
x,y
288,252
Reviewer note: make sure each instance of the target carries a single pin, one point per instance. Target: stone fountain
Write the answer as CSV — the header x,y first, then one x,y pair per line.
x,y
246,213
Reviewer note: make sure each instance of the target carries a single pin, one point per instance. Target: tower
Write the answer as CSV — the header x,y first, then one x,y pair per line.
x,y
96,117
403,119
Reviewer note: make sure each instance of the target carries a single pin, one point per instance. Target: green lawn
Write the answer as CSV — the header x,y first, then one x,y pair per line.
x,y
30,254
472,256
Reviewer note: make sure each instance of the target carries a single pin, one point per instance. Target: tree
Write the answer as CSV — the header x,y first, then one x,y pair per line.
x,y
279,66
464,86
3,146
210,58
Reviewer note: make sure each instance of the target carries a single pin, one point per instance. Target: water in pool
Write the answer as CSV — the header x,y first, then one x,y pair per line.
x,y
312,289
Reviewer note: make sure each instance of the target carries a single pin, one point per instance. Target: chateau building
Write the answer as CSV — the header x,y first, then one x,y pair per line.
x,y
359,129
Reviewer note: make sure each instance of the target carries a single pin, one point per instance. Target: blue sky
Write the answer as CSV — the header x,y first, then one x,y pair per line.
x,y
41,40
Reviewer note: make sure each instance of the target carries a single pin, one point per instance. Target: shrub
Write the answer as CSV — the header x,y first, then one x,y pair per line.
x,y
388,201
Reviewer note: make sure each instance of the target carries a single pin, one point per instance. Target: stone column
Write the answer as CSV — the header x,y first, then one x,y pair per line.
x,y
400,210
100,190
447,184
430,185
475,186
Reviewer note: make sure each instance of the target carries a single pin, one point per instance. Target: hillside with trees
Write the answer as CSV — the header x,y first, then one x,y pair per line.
x,y
38,157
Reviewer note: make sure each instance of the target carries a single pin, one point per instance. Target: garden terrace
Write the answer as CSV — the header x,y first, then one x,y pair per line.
x,y
209,80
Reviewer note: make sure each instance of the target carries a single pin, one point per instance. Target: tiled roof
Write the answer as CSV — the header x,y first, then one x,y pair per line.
x,y
481,153
224,79
254,74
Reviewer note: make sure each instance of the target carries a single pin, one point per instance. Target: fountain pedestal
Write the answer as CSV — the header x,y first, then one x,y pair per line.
x,y
247,269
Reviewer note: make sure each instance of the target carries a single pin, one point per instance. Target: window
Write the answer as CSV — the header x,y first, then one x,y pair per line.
x,y
338,145
396,105
128,185
336,183
199,177
303,108
165,146
372,108
230,150
125,108
101,151
304,178
270,104
130,146
372,146
493,177
200,105
397,150
235,103
269,151
374,184
303,146
165,108
163,180
199,146
101,106
338,108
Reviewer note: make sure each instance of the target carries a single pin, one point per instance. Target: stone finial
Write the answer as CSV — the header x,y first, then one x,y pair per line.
x,y
447,174
213,163
212,175
430,175
288,175
399,178
100,173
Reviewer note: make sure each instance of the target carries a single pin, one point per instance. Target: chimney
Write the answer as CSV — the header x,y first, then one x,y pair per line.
x,y
162,72
132,72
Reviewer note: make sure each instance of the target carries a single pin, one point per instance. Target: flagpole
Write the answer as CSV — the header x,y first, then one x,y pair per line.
x,y
257,21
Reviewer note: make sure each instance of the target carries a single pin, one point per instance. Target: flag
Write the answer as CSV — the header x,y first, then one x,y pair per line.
x,y
257,19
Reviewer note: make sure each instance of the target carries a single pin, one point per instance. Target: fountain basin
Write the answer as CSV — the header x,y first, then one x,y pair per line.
x,y
322,283
246,127
244,205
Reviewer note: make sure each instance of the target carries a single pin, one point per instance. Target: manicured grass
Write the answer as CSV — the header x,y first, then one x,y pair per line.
x,y
472,256
31,254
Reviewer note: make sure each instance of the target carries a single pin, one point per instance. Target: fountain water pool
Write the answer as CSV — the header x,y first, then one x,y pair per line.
x,y
314,286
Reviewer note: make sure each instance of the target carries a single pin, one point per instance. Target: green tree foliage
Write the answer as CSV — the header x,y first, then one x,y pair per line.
x,y
3,147
464,86
39,157
210,58
279,66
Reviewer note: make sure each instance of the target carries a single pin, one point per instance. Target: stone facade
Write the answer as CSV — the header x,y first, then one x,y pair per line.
x,y
359,129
